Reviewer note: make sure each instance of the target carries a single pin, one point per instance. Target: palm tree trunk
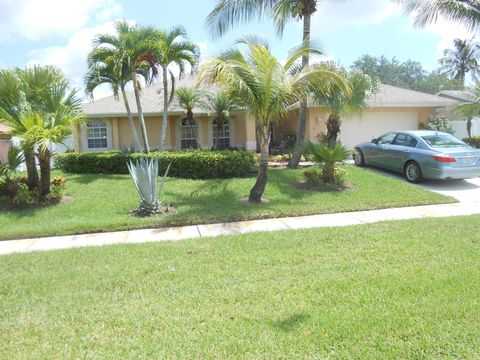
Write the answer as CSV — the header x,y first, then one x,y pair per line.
x,y
31,165
163,135
259,187
44,157
136,141
333,129
140,113
302,118
469,127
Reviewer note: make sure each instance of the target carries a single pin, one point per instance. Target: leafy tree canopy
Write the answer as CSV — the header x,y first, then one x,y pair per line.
x,y
408,74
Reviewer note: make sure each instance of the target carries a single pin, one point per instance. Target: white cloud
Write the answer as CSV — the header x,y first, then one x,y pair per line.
x,y
331,16
37,19
71,58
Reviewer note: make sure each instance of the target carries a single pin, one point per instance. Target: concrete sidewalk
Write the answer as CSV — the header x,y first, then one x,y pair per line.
x,y
196,231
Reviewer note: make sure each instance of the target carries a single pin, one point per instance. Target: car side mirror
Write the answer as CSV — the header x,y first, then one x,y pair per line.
x,y
374,140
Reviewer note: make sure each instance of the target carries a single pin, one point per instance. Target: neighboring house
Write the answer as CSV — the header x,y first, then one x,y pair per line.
x,y
5,141
107,126
459,123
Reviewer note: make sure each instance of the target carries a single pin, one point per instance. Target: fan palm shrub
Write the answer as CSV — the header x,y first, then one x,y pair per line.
x,y
173,49
325,159
266,88
132,49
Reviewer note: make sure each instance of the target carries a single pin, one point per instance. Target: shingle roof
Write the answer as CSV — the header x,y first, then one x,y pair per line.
x,y
392,96
152,100
151,97
460,95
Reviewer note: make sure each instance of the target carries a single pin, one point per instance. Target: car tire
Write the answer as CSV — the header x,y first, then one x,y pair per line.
x,y
412,171
358,158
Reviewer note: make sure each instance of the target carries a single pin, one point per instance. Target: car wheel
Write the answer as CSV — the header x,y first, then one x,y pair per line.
x,y
358,157
413,173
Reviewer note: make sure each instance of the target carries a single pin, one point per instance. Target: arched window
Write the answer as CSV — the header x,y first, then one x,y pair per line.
x,y
189,134
221,131
97,134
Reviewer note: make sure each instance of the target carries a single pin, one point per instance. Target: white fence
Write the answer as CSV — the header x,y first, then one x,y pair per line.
x,y
460,127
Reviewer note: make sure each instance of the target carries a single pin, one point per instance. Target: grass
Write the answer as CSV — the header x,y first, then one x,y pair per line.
x,y
392,290
103,202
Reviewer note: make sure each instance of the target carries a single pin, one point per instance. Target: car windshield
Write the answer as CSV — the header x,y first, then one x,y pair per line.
x,y
442,140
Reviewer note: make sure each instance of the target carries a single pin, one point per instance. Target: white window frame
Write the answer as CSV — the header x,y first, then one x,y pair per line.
x,y
226,125
178,133
231,133
108,128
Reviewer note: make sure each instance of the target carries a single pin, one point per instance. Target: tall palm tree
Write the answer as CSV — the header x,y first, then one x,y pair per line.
x,y
173,49
188,99
466,12
106,71
463,59
134,47
266,89
339,103
221,104
228,13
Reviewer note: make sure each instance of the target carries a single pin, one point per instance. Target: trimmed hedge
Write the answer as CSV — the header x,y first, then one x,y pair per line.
x,y
473,141
185,164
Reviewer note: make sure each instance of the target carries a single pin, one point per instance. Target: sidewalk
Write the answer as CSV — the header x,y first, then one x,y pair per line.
x,y
197,231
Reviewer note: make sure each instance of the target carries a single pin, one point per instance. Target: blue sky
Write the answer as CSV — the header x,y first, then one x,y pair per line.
x,y
59,32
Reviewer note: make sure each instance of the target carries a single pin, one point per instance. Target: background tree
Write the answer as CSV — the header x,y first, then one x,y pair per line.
x,y
466,12
361,88
409,74
111,71
462,60
188,99
267,89
134,47
228,13
173,49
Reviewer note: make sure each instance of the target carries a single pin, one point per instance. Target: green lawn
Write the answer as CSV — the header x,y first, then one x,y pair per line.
x,y
392,290
102,202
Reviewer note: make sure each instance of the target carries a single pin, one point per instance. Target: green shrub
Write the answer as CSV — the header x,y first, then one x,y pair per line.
x,y
24,196
439,124
473,141
199,164
57,188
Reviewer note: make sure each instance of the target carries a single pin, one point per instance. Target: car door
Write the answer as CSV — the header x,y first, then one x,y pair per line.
x,y
400,151
380,152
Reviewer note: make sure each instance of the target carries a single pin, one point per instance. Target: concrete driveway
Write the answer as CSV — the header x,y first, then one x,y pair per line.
x,y
465,191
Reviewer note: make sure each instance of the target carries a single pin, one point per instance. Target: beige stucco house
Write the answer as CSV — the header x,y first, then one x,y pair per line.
x,y
107,126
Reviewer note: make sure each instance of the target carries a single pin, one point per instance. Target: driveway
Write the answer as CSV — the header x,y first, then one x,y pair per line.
x,y
465,191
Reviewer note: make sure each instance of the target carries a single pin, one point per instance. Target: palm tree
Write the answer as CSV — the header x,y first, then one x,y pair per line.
x,y
461,60
20,91
221,104
173,49
466,12
266,89
134,47
188,99
228,13
362,88
41,112
326,158
106,71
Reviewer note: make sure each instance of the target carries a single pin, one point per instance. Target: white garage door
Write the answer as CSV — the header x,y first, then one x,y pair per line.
x,y
364,127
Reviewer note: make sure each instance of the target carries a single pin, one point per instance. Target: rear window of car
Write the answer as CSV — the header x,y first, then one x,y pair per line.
x,y
442,140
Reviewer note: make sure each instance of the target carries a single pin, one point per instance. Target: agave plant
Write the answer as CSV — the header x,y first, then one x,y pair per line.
x,y
144,173
326,159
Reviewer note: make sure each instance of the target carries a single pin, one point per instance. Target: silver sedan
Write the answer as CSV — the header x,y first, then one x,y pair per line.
x,y
420,154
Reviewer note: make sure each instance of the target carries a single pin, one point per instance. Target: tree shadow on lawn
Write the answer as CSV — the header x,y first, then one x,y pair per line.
x,y
86,179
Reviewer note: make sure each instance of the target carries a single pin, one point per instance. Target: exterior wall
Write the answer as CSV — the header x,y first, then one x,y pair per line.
x,y
4,145
242,132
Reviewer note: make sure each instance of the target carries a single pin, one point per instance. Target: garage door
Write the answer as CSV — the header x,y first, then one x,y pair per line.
x,y
364,127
